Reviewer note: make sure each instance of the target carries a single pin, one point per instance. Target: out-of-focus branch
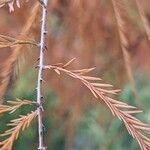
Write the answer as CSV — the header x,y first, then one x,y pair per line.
x,y
7,41
118,9
143,17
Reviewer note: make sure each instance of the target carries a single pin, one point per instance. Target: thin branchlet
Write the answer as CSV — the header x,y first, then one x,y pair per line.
x,y
17,126
14,105
7,41
122,110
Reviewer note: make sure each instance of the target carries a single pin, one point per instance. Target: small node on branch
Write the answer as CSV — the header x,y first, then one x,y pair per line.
x,y
42,148
41,107
37,66
42,3
41,80
42,97
44,48
45,32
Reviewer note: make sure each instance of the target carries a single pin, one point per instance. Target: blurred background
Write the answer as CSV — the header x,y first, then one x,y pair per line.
x,y
88,31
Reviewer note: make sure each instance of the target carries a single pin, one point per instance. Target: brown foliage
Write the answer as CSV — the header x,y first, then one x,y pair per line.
x,y
11,62
14,105
10,4
122,110
6,41
17,125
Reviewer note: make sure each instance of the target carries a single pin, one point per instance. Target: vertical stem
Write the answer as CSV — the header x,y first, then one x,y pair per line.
x,y
40,76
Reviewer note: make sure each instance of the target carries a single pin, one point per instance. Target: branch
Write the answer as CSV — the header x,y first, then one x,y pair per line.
x,y
122,110
40,75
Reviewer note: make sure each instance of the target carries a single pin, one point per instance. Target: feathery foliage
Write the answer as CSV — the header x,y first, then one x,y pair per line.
x,y
13,133
122,110
14,105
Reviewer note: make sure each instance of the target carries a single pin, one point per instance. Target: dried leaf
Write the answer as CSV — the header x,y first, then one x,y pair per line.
x,y
10,4
91,78
101,85
57,71
69,63
82,71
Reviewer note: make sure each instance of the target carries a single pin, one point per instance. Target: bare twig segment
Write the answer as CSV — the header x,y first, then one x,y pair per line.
x,y
40,76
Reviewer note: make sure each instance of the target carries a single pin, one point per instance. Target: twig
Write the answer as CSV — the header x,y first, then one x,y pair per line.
x,y
40,76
